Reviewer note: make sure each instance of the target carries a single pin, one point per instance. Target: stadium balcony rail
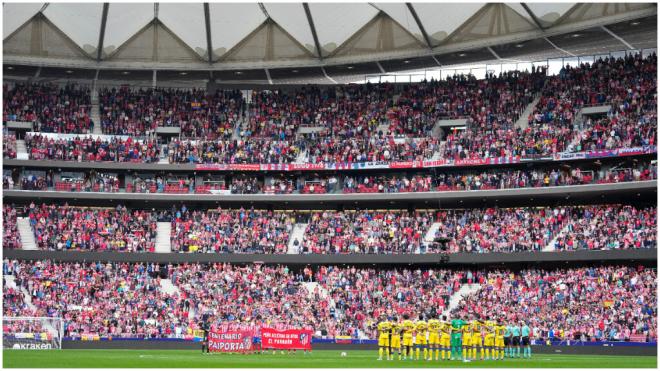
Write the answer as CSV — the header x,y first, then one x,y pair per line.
x,y
291,167
639,191
648,256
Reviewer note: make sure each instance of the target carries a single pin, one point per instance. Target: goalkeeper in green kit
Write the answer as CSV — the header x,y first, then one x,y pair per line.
x,y
456,333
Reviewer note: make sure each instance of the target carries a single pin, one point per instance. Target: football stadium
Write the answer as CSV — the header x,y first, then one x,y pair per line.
x,y
329,185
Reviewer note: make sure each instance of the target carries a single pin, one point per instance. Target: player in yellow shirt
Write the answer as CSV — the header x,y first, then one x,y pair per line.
x,y
384,327
489,339
395,340
477,340
466,342
434,338
420,337
445,338
408,328
499,341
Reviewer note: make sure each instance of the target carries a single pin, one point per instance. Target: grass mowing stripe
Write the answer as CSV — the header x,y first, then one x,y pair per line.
x,y
320,359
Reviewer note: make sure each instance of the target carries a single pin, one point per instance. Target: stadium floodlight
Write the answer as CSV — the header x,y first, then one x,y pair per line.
x,y
32,332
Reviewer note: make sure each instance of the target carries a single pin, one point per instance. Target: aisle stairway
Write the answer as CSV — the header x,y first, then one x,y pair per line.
x,y
429,237
297,233
551,245
163,243
523,121
168,287
21,150
27,236
465,290
95,114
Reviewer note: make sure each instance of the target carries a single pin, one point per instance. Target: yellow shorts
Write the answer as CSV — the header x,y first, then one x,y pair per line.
x,y
489,340
467,341
384,341
445,340
477,341
407,340
396,341
434,338
499,341
420,339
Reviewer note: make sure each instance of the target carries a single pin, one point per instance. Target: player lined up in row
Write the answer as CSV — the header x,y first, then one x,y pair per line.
x,y
452,340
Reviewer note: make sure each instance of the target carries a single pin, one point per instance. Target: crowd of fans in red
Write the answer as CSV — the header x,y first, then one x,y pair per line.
x,y
231,231
602,227
595,303
198,114
366,232
10,237
89,149
8,145
53,109
64,227
246,231
127,299
359,123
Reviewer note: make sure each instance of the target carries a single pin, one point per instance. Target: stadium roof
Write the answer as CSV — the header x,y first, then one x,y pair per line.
x,y
230,36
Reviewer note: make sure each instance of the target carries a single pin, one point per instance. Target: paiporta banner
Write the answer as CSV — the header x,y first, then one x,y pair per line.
x,y
286,339
233,341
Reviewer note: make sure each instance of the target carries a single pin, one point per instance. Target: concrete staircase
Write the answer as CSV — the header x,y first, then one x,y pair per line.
x,y
302,157
27,236
168,287
323,293
551,245
430,234
299,234
10,281
21,150
95,114
27,299
522,122
465,290
163,243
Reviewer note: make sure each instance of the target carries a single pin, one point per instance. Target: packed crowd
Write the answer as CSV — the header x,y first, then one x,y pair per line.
x,y
64,227
385,122
609,228
10,237
388,184
8,145
595,303
252,151
113,299
366,232
138,112
126,299
602,227
237,231
53,109
89,149
245,185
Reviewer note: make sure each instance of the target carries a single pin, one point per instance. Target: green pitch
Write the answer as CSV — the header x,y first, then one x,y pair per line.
x,y
328,358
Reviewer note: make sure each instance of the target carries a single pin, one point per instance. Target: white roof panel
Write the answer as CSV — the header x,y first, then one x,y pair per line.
x,y
80,21
292,18
549,12
335,23
400,13
16,14
124,20
187,21
441,19
232,22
